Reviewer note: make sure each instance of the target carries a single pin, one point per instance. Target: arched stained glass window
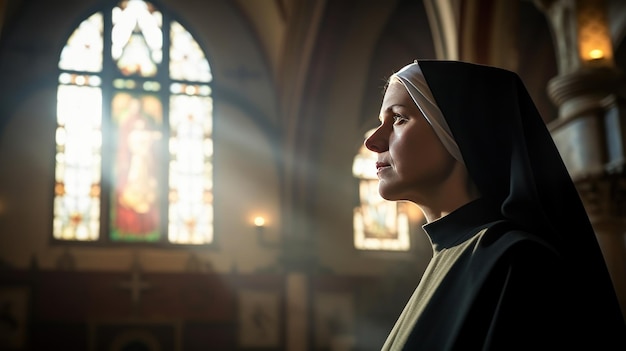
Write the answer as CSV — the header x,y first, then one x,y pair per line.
x,y
134,130
378,224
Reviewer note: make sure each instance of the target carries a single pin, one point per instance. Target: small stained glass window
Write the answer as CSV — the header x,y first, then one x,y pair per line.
x,y
378,224
134,147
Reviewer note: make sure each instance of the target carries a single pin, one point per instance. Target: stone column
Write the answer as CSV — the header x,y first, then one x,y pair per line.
x,y
297,312
590,131
299,261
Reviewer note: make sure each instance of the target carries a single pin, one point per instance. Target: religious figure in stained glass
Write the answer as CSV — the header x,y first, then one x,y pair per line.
x,y
136,185
161,171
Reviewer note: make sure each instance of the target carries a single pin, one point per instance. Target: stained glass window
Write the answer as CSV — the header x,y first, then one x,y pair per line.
x,y
134,131
378,224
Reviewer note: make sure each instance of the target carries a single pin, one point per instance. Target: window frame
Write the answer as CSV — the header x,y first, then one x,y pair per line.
x,y
108,74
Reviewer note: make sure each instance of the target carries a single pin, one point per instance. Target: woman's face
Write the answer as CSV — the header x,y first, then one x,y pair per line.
x,y
412,161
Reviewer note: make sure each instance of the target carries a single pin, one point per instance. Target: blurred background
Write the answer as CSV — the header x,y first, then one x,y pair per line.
x,y
190,175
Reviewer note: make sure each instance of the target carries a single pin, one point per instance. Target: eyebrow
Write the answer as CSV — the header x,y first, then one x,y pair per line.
x,y
389,108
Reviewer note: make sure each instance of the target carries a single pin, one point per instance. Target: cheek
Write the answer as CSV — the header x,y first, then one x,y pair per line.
x,y
410,147
419,153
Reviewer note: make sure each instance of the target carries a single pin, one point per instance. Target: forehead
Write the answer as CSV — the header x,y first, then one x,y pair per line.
x,y
396,93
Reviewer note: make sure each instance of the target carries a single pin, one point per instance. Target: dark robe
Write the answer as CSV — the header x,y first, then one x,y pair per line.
x,y
491,287
521,269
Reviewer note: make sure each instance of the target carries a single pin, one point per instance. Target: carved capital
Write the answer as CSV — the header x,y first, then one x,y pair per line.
x,y
578,92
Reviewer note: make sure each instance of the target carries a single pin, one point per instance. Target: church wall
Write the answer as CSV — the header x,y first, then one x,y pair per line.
x,y
90,310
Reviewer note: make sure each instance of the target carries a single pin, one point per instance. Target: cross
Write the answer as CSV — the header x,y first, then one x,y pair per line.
x,y
135,285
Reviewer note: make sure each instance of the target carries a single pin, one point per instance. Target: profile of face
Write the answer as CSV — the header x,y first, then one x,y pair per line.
x,y
412,162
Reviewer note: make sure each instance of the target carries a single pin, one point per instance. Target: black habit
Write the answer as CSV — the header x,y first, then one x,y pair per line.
x,y
520,268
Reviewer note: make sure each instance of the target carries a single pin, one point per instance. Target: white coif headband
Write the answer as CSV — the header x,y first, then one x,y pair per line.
x,y
412,78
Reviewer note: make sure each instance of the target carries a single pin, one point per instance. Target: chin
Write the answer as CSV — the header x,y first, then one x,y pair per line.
x,y
387,194
393,192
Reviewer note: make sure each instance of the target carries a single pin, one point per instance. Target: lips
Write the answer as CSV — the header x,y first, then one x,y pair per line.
x,y
380,166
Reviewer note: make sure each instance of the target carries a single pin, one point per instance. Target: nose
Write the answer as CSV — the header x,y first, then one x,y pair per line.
x,y
376,142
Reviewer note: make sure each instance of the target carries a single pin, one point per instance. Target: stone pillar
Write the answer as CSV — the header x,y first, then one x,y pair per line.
x,y
590,131
299,262
297,312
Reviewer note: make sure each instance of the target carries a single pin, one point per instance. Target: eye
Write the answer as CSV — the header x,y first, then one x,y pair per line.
x,y
398,119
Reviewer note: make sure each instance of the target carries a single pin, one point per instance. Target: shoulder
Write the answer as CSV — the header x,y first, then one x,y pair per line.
x,y
506,237
503,243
